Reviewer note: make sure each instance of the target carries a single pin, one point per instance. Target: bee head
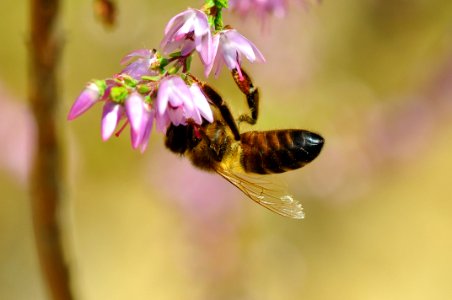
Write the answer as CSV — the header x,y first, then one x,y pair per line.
x,y
181,138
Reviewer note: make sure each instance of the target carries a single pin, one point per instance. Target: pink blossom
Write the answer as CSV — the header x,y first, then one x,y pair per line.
x,y
112,113
146,127
200,102
177,103
120,101
188,31
262,8
168,100
88,97
141,118
139,63
228,47
17,131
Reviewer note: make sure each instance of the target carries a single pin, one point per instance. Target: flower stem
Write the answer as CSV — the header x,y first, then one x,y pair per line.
x,y
44,50
214,9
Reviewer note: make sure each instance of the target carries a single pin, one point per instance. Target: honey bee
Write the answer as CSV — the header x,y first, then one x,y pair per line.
x,y
240,157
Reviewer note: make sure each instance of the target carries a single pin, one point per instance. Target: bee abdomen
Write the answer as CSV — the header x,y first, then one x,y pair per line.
x,y
278,151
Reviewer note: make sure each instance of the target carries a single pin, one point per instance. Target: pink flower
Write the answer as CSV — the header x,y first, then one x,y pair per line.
x,y
17,131
120,101
112,113
139,114
141,66
201,103
141,118
188,31
146,127
262,8
167,99
88,97
228,47
177,103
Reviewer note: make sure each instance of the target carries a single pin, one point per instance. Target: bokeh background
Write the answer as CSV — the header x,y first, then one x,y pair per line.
x,y
374,77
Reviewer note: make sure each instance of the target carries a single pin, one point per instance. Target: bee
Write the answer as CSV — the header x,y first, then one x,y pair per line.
x,y
240,158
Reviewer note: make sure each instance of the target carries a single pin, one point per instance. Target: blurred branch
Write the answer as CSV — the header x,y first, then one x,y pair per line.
x,y
105,12
45,177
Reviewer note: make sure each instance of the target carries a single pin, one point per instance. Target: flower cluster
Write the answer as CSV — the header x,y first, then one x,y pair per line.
x,y
191,31
164,99
152,88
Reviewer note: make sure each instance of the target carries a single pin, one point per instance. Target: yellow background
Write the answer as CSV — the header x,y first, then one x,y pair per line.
x,y
373,77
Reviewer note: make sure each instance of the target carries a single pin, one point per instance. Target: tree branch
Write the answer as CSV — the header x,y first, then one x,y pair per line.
x,y
45,177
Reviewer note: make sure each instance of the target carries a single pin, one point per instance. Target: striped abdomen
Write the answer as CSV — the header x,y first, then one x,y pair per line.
x,y
278,151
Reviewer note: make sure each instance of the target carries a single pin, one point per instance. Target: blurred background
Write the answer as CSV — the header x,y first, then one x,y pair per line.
x,y
374,77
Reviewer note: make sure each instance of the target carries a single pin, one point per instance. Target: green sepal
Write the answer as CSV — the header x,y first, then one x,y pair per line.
x,y
129,81
188,63
147,99
118,94
173,70
163,62
211,21
151,78
143,88
209,3
175,54
101,85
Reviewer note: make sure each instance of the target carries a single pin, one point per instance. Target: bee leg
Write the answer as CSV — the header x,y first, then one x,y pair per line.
x,y
252,95
216,100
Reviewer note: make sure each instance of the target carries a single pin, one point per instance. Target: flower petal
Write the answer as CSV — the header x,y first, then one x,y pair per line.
x,y
163,94
200,23
134,110
188,47
148,121
231,45
162,122
181,94
141,66
110,116
200,101
87,98
177,116
194,115
219,61
213,55
205,49
187,31
141,135
172,28
136,53
172,89
245,46
177,21
175,101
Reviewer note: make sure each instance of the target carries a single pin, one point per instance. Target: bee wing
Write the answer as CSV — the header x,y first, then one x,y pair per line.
x,y
270,195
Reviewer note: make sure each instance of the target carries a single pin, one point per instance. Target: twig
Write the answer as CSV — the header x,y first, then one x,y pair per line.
x,y
46,177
